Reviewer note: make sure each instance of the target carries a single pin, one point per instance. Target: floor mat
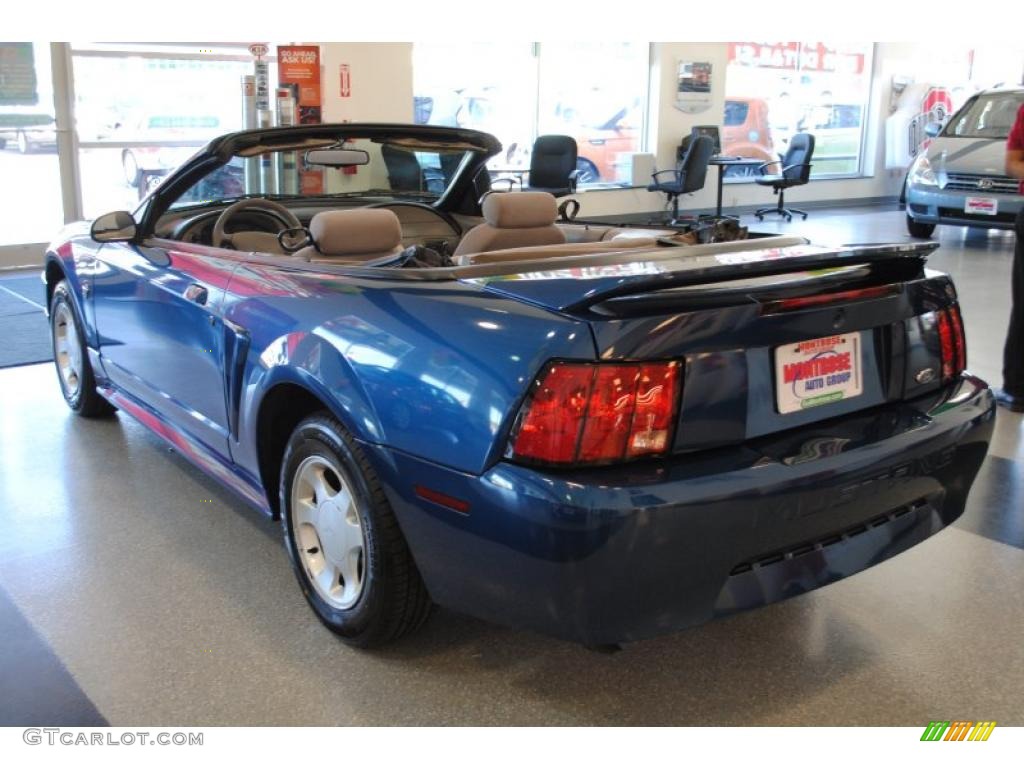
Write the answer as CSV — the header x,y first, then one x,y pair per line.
x,y
24,331
24,339
26,286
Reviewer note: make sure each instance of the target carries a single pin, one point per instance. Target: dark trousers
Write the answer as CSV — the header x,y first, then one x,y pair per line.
x,y
1013,354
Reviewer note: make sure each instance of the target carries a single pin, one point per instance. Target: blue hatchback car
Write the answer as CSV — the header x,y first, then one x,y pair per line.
x,y
597,432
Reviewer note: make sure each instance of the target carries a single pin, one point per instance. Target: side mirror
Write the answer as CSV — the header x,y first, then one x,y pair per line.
x,y
116,227
932,129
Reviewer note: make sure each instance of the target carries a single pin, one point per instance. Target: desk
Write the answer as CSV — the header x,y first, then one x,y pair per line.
x,y
724,162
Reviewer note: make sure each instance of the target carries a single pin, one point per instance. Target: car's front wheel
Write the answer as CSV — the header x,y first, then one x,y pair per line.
x,y
588,173
919,229
352,562
74,372
24,145
132,174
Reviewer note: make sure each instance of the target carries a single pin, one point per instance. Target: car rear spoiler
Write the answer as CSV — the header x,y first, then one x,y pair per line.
x,y
577,284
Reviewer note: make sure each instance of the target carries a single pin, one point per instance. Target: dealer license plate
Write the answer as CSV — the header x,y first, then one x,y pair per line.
x,y
817,372
987,206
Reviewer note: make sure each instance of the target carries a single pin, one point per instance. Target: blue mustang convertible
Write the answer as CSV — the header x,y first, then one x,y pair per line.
x,y
458,397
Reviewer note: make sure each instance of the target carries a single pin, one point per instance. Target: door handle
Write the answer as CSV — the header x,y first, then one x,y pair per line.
x,y
197,294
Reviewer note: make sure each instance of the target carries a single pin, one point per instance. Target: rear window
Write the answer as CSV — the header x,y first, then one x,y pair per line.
x,y
989,116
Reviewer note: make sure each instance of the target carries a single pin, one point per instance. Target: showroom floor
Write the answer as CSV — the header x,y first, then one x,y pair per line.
x,y
133,590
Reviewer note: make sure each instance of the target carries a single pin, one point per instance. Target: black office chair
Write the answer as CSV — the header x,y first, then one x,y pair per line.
x,y
796,170
404,171
688,176
553,165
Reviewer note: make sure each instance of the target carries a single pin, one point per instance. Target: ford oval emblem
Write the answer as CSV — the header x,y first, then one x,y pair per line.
x,y
925,375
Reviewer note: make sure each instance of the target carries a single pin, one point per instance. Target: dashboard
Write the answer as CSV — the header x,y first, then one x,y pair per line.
x,y
421,223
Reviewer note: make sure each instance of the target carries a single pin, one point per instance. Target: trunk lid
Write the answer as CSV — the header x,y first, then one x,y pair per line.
x,y
756,326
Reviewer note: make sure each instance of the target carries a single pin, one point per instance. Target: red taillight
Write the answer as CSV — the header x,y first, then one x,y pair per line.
x,y
959,339
656,399
550,428
585,413
952,344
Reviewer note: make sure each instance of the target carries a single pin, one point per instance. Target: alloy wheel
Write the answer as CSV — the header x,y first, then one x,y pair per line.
x,y
67,350
328,531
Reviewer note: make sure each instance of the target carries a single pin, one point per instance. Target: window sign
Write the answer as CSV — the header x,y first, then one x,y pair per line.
x,y
18,84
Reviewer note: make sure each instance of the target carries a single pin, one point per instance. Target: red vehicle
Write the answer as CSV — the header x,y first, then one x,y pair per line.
x,y
747,133
601,147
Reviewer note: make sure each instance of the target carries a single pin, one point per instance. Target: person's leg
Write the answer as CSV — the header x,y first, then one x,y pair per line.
x,y
1013,354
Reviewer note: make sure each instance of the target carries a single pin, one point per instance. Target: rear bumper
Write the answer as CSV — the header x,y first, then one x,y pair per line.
x,y
931,205
608,556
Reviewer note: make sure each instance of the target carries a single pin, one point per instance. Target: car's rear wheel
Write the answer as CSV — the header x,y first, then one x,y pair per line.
x,y
919,229
74,372
351,560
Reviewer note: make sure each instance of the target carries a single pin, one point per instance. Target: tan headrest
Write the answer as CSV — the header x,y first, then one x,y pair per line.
x,y
520,210
356,231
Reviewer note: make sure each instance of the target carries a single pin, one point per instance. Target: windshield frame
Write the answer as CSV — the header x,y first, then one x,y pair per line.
x,y
477,146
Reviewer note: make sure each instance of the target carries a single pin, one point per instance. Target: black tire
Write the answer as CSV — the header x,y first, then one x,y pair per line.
x,y
394,601
919,229
132,172
85,400
588,171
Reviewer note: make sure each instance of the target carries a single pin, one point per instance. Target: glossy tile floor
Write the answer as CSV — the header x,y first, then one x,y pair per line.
x,y
133,591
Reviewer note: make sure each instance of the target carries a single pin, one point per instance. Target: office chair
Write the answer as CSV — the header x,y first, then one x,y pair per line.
x,y
688,176
796,170
553,165
404,171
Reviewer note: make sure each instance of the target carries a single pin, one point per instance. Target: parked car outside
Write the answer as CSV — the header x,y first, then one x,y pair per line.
x,y
143,164
28,129
602,147
746,132
960,179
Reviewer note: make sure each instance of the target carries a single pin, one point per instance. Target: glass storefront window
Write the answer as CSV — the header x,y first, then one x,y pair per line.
x,y
774,90
483,86
154,109
28,146
593,92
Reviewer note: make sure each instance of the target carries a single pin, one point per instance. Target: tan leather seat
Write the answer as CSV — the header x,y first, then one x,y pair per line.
x,y
513,220
353,236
